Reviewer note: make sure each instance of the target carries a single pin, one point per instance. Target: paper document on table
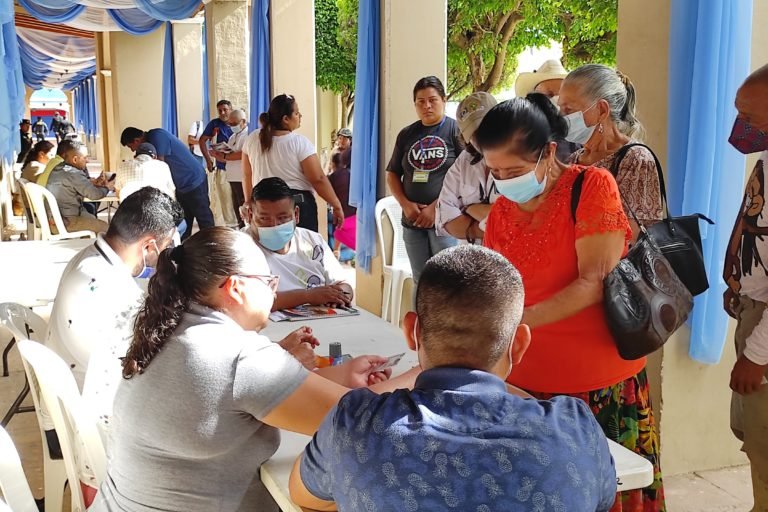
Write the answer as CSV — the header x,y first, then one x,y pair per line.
x,y
307,312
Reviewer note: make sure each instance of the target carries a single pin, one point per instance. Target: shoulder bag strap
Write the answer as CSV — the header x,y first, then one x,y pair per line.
x,y
621,153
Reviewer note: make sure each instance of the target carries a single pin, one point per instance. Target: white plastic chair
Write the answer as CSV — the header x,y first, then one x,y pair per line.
x,y
75,423
38,197
13,482
24,324
33,228
395,262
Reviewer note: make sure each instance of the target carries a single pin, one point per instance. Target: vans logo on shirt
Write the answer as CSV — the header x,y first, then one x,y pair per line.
x,y
428,153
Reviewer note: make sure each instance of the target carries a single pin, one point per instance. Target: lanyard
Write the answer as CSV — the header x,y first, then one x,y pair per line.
x,y
421,140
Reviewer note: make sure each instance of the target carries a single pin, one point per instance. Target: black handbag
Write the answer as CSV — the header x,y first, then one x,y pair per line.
x,y
678,238
644,299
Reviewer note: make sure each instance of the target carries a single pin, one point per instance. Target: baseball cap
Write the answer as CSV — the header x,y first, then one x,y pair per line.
x,y
471,112
145,148
344,132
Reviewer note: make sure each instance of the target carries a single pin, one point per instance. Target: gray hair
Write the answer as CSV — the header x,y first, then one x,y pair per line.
x,y
239,114
598,82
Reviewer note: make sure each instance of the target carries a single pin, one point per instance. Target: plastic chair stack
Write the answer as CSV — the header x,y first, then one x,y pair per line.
x,y
396,265
38,197
33,229
13,482
24,324
84,455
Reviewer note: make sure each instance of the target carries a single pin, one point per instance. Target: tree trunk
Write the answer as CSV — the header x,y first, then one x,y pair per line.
x,y
347,105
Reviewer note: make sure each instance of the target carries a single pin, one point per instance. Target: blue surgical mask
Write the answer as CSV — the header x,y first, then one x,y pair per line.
x,y
236,129
578,131
274,238
147,271
522,188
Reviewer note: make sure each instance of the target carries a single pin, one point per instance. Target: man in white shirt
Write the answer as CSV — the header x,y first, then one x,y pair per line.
x,y
746,298
143,171
233,158
98,297
309,272
468,192
193,140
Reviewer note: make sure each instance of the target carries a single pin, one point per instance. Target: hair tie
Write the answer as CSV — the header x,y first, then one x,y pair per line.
x,y
177,254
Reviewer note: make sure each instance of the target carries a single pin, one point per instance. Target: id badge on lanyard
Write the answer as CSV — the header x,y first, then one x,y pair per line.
x,y
423,176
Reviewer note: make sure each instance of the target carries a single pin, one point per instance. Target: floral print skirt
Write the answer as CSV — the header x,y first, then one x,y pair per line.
x,y
624,411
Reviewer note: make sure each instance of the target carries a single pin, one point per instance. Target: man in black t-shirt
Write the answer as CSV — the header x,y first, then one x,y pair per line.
x,y
424,151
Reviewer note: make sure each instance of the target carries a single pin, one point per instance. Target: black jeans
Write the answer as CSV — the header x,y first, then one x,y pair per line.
x,y
305,200
196,205
238,199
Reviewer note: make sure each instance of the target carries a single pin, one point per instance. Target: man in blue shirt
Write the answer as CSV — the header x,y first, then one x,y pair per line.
x,y
216,132
186,171
458,440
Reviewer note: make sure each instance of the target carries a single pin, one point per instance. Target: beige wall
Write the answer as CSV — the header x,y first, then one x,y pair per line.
x,y
405,25
293,58
328,107
694,404
188,50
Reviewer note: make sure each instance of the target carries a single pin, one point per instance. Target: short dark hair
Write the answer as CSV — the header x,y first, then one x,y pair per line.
x,y
148,211
129,135
426,83
469,302
271,189
64,147
224,102
75,146
531,122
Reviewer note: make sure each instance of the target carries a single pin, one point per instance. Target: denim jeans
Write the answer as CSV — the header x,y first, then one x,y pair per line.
x,y
196,205
422,244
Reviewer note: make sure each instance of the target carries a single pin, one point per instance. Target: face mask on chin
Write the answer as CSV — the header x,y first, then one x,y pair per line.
x,y
523,188
746,138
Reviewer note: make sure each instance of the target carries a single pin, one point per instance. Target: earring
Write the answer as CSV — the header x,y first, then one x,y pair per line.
x,y
600,128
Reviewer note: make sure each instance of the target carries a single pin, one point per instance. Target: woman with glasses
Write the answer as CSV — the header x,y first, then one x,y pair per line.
x,y
204,394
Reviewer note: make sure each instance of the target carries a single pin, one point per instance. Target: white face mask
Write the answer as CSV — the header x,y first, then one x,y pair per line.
x,y
236,129
554,99
578,131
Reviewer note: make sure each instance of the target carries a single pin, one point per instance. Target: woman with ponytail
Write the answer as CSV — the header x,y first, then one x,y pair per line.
x,y
204,394
276,150
599,104
563,261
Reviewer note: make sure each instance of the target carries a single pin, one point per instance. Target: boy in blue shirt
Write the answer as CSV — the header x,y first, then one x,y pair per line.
x,y
458,440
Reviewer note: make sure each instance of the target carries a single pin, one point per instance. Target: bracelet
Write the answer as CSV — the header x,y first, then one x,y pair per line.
x,y
467,235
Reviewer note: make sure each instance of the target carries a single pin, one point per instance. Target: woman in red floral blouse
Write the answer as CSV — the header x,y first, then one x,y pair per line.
x,y
563,264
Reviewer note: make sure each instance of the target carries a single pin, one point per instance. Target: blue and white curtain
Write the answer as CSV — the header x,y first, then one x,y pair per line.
x,y
710,42
84,108
365,151
169,114
11,84
133,16
260,64
54,60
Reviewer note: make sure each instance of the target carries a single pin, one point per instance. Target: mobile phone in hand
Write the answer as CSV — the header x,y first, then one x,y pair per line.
x,y
391,361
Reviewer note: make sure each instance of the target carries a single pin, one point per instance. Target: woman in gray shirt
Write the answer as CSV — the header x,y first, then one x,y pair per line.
x,y
204,392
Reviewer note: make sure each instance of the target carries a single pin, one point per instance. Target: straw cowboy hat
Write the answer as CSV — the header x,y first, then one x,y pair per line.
x,y
550,70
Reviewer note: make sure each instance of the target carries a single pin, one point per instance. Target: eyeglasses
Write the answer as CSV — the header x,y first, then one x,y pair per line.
x,y
269,280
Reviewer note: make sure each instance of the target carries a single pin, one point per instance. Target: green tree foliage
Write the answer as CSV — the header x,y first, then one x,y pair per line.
x,y
336,50
485,37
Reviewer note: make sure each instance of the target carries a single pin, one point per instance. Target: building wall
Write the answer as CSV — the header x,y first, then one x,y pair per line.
x,y
328,106
188,50
692,399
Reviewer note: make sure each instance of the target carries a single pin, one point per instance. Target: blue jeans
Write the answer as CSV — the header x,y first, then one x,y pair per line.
x,y
196,205
422,244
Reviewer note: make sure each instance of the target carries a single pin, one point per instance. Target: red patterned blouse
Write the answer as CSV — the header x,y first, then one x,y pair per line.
x,y
576,354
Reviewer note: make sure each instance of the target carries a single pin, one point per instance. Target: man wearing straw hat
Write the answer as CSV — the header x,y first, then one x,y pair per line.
x,y
547,81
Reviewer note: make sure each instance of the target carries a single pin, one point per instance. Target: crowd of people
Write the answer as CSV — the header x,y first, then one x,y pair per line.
x,y
508,273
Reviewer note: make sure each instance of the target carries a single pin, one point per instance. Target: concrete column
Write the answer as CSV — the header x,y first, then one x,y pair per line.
x,y
405,25
107,111
692,400
228,35
187,38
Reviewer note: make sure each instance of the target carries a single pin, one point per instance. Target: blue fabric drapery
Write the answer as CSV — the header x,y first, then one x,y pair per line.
x,y
134,21
54,60
52,15
260,79
167,10
169,114
709,58
365,150
206,91
93,120
11,85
